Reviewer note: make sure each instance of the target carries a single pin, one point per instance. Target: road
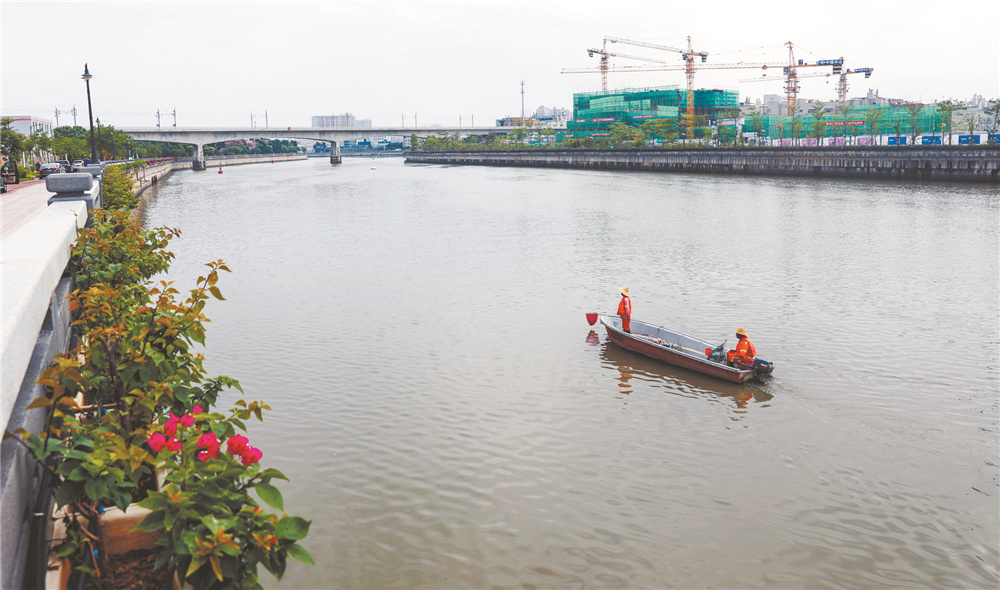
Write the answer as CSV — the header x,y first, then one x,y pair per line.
x,y
20,204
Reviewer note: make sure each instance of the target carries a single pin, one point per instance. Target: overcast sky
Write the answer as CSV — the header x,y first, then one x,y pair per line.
x,y
216,62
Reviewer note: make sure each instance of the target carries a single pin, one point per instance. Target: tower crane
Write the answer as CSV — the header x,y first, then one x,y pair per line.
x,y
605,66
790,72
841,85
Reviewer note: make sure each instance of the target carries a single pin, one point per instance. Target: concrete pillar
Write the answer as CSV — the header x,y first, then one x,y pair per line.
x,y
198,157
335,153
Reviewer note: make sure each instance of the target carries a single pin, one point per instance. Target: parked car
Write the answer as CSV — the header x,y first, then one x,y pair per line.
x,y
66,166
77,164
53,168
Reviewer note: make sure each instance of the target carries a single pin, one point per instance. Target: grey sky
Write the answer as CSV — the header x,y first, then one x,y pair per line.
x,y
218,61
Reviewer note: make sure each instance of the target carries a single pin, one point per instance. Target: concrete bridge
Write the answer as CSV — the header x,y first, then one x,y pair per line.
x,y
200,136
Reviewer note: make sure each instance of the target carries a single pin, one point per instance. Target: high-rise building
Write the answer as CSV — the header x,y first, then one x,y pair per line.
x,y
345,120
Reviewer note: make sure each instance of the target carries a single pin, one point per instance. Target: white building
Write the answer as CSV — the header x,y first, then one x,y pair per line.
x,y
345,120
28,125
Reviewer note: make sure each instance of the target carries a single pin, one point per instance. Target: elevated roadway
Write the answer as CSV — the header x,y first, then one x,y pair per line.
x,y
201,136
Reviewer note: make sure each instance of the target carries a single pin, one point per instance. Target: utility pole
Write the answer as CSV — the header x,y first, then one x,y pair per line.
x,y
460,121
522,101
57,116
175,117
251,119
415,120
74,115
157,118
265,120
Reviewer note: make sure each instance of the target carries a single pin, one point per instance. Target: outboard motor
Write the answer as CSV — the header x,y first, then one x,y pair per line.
x,y
762,368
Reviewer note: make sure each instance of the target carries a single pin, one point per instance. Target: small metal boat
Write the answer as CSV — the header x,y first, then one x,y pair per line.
x,y
682,350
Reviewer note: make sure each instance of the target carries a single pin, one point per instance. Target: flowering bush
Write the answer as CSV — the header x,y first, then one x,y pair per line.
x,y
147,406
216,533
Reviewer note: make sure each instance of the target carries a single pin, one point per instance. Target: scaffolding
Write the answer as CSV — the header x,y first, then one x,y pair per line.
x,y
594,113
854,122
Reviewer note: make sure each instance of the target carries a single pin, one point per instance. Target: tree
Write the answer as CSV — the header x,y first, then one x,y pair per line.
x,y
845,111
818,113
992,113
947,109
11,142
913,115
873,116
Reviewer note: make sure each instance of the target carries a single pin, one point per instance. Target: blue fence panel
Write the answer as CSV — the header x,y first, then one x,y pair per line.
x,y
968,139
931,140
896,140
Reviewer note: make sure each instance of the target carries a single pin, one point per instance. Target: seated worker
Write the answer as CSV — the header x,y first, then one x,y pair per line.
x,y
745,351
625,309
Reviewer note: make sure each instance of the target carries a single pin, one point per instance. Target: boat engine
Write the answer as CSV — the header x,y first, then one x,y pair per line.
x,y
762,368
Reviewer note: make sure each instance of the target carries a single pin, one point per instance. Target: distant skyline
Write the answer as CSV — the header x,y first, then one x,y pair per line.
x,y
216,62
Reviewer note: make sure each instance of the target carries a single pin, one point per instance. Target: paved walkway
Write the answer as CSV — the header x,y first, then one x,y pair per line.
x,y
20,204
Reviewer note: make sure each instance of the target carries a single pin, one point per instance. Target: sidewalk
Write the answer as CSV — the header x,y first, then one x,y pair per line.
x,y
20,204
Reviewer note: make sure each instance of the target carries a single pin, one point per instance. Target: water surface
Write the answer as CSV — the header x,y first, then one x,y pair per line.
x,y
449,420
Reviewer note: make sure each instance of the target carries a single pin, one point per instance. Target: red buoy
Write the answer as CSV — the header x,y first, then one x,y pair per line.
x,y
220,168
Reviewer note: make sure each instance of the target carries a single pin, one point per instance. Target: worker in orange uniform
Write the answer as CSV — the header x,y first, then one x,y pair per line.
x,y
625,309
745,351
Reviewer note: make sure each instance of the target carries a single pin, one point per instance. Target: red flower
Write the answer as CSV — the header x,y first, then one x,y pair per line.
x,y
156,442
237,445
187,420
170,428
251,456
197,410
210,443
203,455
174,445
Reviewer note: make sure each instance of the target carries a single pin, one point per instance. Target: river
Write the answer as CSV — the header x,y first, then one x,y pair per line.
x,y
448,419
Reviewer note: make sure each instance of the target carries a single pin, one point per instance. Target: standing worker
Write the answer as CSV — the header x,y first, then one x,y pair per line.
x,y
625,309
745,351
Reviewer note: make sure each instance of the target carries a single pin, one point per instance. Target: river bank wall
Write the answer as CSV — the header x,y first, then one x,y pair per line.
x,y
980,164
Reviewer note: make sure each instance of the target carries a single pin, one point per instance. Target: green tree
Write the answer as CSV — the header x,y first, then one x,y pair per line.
x,y
992,113
11,142
845,112
913,116
873,116
947,109
818,113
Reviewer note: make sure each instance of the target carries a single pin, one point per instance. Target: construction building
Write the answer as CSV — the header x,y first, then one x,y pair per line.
x,y
594,113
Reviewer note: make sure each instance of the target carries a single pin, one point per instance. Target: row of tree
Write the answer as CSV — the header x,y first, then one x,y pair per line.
x,y
74,143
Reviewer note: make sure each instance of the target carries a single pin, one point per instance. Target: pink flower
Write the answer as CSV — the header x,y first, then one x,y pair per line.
x,y
203,455
197,410
237,445
251,456
210,443
187,420
170,428
174,445
156,442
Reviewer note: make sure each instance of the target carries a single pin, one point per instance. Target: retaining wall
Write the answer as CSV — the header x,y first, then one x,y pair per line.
x,y
959,163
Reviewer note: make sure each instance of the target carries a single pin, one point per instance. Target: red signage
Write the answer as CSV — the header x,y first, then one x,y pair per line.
x,y
603,119
829,123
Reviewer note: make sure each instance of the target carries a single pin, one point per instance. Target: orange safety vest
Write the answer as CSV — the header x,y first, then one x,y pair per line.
x,y
745,351
625,312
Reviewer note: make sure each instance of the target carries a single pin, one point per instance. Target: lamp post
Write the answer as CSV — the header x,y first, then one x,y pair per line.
x,y
93,146
98,136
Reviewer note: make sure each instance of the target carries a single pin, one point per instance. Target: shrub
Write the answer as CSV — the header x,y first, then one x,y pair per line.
x,y
118,189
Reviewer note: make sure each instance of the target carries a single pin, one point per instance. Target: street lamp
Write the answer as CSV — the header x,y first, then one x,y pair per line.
x,y
98,136
93,146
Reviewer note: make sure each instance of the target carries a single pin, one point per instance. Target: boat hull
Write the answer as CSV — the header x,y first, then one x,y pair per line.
x,y
674,348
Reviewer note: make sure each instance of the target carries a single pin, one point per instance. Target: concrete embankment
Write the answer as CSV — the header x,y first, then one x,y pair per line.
x,y
960,163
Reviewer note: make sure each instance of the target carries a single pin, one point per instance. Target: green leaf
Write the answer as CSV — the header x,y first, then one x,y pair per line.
x,y
292,528
68,492
270,495
299,552
196,563
272,473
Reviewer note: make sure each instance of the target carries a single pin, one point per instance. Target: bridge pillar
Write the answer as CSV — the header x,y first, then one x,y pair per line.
x,y
335,153
198,157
